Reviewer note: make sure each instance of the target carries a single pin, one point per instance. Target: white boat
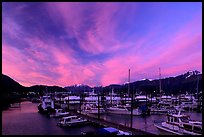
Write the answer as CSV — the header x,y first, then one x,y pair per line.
x,y
180,124
153,100
46,104
191,105
91,109
72,99
71,121
92,98
188,102
142,99
158,110
166,98
59,113
113,98
126,100
124,110
179,108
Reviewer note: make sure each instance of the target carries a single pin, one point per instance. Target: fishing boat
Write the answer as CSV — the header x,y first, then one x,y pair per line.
x,y
158,110
142,99
92,98
113,98
123,110
46,106
91,109
179,108
59,113
188,102
72,121
180,124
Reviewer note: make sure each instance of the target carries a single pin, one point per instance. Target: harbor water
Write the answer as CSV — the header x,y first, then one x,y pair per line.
x,y
27,121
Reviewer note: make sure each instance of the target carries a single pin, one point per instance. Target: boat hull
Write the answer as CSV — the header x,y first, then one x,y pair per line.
x,y
81,123
166,131
135,113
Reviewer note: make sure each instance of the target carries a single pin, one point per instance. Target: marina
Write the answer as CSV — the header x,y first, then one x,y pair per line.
x,y
34,123
101,68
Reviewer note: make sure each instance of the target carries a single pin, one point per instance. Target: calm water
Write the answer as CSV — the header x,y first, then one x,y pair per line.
x,y
144,123
27,121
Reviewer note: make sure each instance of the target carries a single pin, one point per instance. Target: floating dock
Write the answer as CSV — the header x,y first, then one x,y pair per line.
x,y
112,124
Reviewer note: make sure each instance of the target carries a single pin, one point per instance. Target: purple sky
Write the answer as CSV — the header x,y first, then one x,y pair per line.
x,y
96,43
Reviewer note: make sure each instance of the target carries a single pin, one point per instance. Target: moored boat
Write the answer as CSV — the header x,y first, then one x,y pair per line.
x,y
180,124
72,121
124,110
46,106
59,113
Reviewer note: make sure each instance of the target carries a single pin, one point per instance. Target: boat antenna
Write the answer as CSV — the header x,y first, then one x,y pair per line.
x,y
179,113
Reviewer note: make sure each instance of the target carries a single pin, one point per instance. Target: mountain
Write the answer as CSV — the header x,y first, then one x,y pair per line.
x,y
80,88
10,86
11,91
171,85
183,83
41,89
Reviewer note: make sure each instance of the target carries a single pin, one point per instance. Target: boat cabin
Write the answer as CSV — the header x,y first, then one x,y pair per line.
x,y
68,119
185,123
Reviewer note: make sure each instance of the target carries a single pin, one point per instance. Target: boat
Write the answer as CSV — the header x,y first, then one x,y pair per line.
x,y
72,121
126,100
179,108
59,113
158,110
142,99
92,109
92,98
188,102
46,106
113,98
180,124
123,110
111,131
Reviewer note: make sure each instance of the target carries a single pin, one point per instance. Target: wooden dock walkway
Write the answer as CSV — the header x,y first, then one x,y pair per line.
x,y
115,125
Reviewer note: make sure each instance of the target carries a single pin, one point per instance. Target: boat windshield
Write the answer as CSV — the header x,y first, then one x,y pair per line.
x,y
185,119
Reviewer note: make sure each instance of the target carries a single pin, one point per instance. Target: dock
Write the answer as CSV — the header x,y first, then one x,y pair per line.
x,y
112,124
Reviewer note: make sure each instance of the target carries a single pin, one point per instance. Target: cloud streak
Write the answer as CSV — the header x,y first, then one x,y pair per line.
x,y
96,43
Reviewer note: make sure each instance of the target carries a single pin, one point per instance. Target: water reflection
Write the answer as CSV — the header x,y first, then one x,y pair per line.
x,y
27,121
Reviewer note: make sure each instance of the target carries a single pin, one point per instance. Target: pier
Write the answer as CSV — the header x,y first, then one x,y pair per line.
x,y
112,124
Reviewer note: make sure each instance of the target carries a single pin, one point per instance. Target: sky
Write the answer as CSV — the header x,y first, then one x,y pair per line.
x,y
64,43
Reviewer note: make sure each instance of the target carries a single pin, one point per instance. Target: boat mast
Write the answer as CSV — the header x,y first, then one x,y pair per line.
x,y
112,97
160,82
131,99
129,84
198,100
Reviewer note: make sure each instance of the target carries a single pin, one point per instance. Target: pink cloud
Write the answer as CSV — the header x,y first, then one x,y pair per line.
x,y
96,39
50,60
179,55
16,64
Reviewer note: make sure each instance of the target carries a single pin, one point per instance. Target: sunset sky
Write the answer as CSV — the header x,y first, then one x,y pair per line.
x,y
96,43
